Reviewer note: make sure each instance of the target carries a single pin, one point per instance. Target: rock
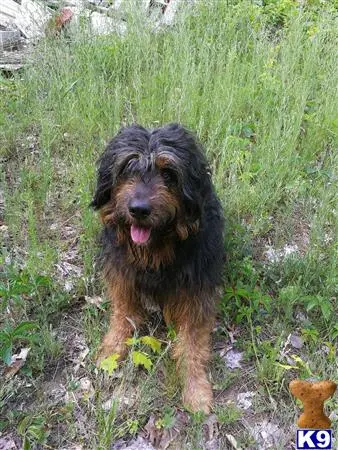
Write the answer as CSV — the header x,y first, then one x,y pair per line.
x,y
233,359
244,399
101,24
296,341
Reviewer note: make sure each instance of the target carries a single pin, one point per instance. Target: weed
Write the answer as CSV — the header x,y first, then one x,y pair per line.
x,y
9,336
228,414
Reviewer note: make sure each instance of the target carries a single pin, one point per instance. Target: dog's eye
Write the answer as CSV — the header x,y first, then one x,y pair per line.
x,y
168,175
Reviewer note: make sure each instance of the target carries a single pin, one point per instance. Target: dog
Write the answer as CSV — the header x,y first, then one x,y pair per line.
x,y
162,243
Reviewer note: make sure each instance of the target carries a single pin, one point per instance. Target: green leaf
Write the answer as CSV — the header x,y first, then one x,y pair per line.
x,y
132,341
141,359
241,292
26,444
110,364
6,354
22,328
326,309
152,342
312,304
287,366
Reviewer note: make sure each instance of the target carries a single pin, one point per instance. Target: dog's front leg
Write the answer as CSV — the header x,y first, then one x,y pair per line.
x,y
127,314
192,352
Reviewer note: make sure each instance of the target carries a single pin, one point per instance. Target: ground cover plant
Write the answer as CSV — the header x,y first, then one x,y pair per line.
x,y
258,83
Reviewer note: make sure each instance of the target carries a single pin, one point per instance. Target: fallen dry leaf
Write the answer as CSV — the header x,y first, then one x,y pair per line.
x,y
96,300
170,435
152,433
80,360
233,441
17,362
162,438
210,427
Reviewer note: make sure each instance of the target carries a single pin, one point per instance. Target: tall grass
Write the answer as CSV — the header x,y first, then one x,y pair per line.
x,y
263,104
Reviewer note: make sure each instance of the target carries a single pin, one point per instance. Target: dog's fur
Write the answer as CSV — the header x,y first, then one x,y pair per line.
x,y
179,267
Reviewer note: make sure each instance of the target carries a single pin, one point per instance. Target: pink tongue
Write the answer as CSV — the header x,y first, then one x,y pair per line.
x,y
139,235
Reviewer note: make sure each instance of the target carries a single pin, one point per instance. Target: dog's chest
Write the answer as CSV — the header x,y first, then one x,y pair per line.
x,y
149,303
154,285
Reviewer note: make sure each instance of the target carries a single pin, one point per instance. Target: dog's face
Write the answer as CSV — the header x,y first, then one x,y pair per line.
x,y
152,185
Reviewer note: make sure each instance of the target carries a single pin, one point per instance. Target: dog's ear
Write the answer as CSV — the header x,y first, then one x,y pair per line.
x,y
196,179
120,150
195,187
105,181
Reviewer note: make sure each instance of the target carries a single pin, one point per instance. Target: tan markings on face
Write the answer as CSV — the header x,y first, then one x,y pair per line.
x,y
164,202
118,201
166,159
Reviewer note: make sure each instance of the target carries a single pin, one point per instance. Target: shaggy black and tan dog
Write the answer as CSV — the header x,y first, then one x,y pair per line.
x,y
162,243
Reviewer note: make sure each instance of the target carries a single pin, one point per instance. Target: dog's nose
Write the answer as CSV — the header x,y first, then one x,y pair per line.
x,y
139,208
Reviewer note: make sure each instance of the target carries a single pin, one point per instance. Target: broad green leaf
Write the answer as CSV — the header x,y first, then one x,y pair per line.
x,y
154,343
141,359
132,341
22,328
6,354
110,364
312,304
326,310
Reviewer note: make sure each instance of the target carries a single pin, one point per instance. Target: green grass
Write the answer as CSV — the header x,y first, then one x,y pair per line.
x,y
259,86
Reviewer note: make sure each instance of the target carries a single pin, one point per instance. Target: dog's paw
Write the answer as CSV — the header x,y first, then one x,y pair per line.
x,y
198,396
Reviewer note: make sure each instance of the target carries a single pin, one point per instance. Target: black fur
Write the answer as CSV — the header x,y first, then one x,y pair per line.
x,y
198,263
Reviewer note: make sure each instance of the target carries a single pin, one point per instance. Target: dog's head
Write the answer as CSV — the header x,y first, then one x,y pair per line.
x,y
152,184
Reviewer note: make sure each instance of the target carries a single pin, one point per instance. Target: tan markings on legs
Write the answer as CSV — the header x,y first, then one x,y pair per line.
x,y
192,352
127,313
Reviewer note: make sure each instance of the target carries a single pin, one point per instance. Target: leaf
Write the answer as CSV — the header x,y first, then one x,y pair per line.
x,y
22,328
152,342
298,359
6,354
96,301
141,359
326,310
132,341
110,364
311,304
233,442
17,361
241,292
287,366
26,444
